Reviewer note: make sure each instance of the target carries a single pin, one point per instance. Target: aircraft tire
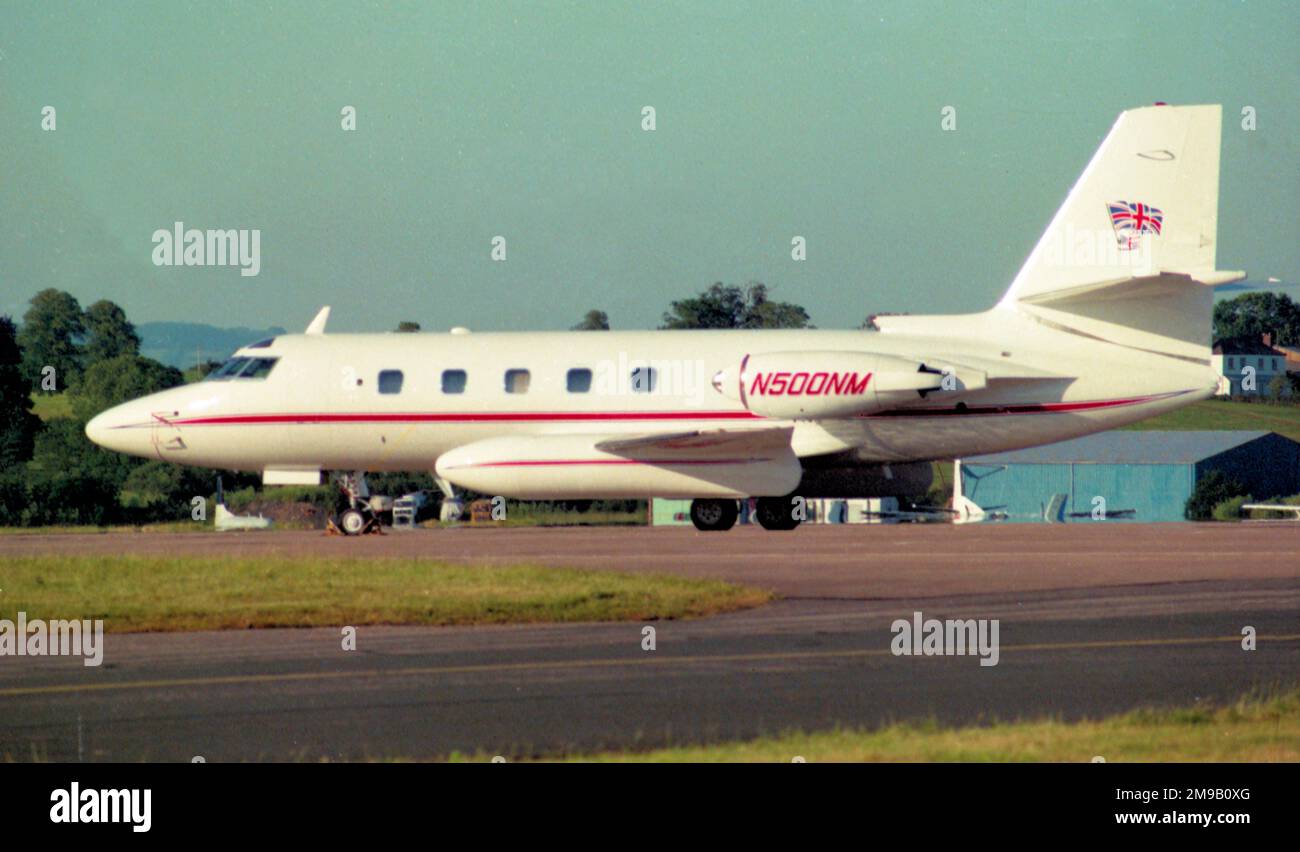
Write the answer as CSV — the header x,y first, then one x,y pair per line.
x,y
773,513
352,522
714,515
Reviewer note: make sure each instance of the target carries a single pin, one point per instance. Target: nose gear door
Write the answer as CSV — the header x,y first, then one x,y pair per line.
x,y
164,434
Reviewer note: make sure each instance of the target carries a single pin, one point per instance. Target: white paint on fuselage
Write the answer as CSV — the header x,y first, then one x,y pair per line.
x,y
316,377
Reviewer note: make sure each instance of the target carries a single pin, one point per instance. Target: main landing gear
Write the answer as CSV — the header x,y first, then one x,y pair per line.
x,y
772,513
776,513
714,515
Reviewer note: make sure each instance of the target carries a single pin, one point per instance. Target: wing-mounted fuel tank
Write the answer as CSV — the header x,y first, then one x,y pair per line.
x,y
757,462
815,385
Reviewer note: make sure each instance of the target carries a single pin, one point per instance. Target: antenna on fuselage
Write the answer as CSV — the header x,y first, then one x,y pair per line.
x,y
317,326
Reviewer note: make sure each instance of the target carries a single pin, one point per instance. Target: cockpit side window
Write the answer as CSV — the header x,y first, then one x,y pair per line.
x,y
257,368
228,369
243,368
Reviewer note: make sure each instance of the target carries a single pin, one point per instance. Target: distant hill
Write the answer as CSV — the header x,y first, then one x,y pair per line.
x,y
181,344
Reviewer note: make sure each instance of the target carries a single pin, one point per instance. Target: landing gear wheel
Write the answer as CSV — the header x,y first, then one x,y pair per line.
x,y
714,515
775,513
352,522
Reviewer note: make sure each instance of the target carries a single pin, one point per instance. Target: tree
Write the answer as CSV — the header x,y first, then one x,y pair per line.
x,y
108,332
70,480
408,327
1211,490
1251,315
112,382
18,426
730,306
778,315
162,491
594,321
51,337
13,496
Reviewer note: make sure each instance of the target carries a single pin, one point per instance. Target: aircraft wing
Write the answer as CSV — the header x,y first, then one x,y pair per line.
x,y
669,445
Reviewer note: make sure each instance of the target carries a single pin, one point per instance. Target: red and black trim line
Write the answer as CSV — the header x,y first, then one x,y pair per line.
x,y
608,462
959,410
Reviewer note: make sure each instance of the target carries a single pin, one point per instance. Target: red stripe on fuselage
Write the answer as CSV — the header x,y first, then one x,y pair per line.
x,y
603,462
635,416
484,417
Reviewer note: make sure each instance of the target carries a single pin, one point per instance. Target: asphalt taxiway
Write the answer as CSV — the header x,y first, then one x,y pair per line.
x,y
1093,619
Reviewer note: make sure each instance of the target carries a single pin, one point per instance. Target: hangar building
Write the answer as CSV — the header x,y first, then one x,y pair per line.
x,y
1149,474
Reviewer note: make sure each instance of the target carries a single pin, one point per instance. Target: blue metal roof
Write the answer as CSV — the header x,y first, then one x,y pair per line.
x,y
1125,447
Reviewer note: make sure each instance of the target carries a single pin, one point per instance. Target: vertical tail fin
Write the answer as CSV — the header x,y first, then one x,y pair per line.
x,y
1147,203
1128,257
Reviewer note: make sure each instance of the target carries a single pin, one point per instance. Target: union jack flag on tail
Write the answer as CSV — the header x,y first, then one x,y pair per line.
x,y
1133,219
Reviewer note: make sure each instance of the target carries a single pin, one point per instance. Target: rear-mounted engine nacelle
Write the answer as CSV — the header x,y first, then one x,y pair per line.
x,y
798,385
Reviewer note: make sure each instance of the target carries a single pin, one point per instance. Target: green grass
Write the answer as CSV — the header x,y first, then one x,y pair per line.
x,y
1218,414
1254,729
49,406
143,593
117,529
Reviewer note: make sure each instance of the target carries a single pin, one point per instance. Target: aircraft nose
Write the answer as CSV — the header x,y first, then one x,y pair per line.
x,y
97,429
101,429
122,429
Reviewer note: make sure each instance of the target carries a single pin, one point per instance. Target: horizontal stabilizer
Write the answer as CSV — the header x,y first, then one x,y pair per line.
x,y
1164,283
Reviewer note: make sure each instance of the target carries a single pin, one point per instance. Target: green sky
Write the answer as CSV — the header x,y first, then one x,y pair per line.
x,y
524,120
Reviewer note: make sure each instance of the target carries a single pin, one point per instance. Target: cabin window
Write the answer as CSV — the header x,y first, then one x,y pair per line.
x,y
453,381
1275,365
390,381
517,381
578,380
643,380
261,344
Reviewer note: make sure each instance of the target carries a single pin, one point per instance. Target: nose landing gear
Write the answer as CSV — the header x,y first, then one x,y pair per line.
x,y
358,518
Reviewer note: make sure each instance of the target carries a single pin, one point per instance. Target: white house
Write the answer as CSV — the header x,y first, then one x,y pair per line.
x,y
1248,365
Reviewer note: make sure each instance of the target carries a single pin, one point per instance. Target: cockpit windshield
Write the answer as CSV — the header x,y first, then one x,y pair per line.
x,y
243,368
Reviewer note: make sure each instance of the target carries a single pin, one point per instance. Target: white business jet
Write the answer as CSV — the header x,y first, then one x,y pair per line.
x,y
1108,322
